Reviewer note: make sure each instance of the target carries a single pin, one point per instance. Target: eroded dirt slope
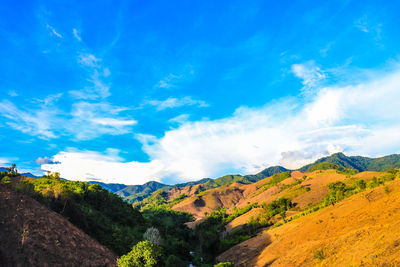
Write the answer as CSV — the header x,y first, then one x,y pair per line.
x,y
32,235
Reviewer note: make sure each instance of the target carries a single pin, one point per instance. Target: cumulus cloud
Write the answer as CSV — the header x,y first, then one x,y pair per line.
x,y
107,167
173,102
358,119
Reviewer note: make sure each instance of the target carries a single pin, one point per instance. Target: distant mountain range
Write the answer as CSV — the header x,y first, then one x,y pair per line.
x,y
134,193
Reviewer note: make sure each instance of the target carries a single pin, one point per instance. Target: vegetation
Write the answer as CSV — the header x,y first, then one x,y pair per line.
x,y
360,163
331,166
209,232
143,254
319,254
102,215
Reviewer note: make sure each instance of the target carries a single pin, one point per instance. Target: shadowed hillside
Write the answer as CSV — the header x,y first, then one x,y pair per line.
x,y
32,235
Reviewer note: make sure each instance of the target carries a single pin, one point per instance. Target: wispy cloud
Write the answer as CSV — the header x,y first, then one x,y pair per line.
x,y
167,82
350,118
369,26
53,31
173,102
99,88
88,60
309,72
84,121
76,34
12,93
38,121
91,120
7,161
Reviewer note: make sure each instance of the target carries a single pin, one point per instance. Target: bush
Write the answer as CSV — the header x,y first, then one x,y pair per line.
x,y
319,254
143,254
224,264
6,180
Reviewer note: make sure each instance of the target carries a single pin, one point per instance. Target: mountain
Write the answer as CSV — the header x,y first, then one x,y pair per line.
x,y
32,235
30,175
113,188
359,163
135,193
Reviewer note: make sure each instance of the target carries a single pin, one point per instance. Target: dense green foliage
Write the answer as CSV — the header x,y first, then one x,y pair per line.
x,y
331,166
143,254
102,215
359,163
177,238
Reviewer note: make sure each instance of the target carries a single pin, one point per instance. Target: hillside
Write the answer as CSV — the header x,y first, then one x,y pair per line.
x,y
361,230
32,235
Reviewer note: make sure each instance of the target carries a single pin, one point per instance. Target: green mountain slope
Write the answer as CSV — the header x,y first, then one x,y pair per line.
x,y
359,163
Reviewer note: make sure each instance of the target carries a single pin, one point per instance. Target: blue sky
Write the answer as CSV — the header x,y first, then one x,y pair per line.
x,y
131,91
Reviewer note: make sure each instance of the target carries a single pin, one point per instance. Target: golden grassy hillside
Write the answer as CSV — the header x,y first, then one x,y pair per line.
x,y
362,230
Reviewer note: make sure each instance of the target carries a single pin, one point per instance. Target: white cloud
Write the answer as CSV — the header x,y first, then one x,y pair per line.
x,y
358,119
90,120
53,31
167,82
309,72
106,167
7,161
85,120
38,121
173,102
76,34
88,60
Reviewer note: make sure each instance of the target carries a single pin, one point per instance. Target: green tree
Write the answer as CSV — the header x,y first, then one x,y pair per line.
x,y
143,254
174,261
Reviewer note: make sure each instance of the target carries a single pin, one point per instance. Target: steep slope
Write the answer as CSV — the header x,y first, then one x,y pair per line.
x,y
32,235
362,230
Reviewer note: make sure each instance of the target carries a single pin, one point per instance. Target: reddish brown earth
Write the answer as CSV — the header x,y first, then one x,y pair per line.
x,y
239,195
32,235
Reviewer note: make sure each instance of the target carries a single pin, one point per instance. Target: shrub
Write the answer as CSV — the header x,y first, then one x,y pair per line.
x,y
224,264
319,254
6,180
